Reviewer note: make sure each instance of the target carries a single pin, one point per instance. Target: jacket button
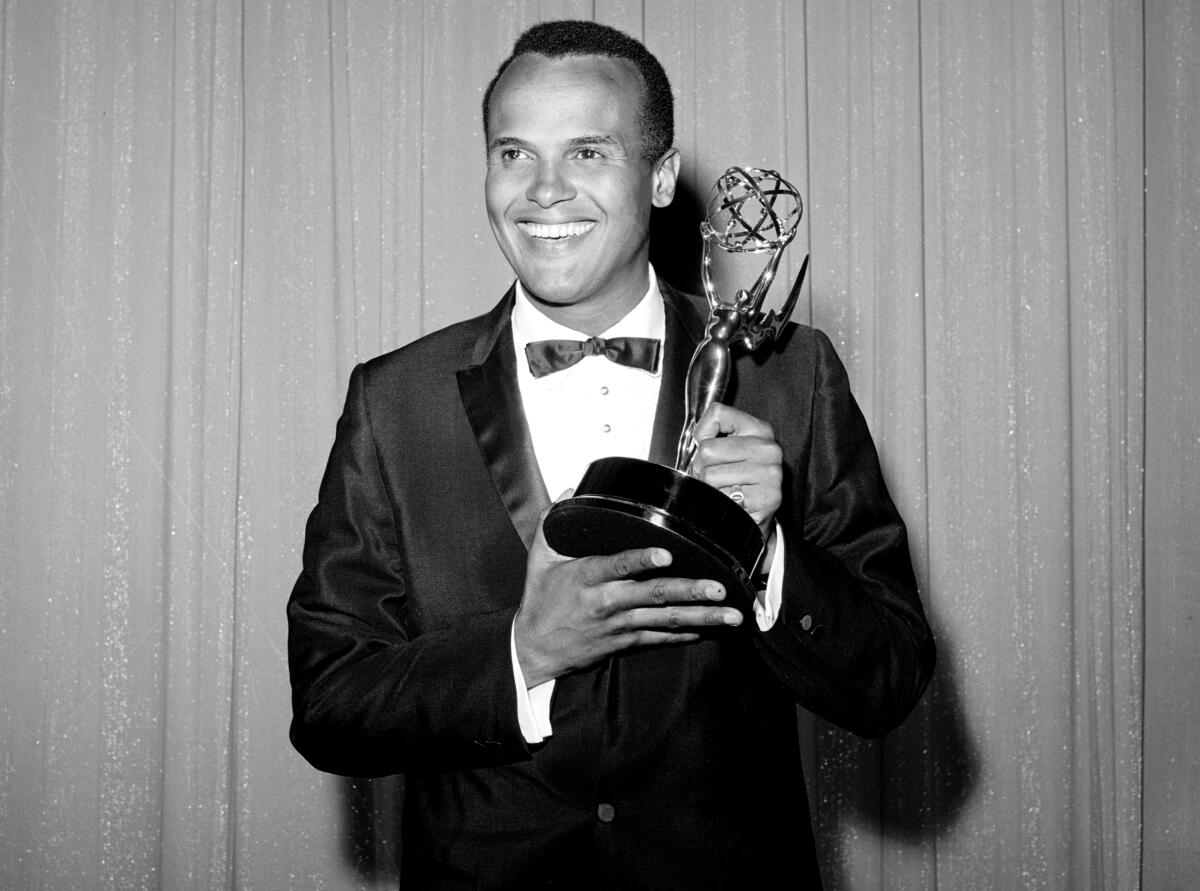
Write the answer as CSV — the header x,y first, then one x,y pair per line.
x,y
606,812
806,622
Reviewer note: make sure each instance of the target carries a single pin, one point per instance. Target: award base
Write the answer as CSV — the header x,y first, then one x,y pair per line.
x,y
624,503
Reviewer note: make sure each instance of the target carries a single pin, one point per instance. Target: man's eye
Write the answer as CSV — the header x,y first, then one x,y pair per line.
x,y
508,155
588,154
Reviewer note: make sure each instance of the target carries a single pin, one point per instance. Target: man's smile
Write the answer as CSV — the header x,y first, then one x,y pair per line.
x,y
556,231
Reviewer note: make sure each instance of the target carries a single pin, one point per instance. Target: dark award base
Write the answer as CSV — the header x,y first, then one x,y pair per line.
x,y
624,503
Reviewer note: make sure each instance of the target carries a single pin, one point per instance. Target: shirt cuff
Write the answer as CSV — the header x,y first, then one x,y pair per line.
x,y
533,705
766,601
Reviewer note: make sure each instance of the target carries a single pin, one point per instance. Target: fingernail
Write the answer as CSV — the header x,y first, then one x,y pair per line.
x,y
714,592
733,618
660,558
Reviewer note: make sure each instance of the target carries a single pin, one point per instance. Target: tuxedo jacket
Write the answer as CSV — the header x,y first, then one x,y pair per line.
x,y
668,767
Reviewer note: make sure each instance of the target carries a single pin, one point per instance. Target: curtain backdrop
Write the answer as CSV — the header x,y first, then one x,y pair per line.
x,y
211,209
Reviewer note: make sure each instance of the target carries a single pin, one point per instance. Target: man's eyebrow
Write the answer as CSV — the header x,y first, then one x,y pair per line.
x,y
594,140
505,142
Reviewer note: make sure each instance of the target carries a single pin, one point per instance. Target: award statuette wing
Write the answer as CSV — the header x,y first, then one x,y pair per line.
x,y
626,503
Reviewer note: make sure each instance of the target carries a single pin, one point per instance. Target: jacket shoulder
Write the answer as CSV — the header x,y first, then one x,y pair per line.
x,y
441,352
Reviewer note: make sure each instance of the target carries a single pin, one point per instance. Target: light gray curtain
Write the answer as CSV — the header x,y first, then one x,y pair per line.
x,y
211,209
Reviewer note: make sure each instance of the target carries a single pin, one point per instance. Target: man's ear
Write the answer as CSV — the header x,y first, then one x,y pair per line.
x,y
666,174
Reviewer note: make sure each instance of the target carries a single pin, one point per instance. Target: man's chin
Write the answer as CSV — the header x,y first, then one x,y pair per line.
x,y
554,294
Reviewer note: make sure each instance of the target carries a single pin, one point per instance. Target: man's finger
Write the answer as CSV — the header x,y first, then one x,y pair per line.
x,y
661,594
622,565
744,474
746,452
724,420
675,619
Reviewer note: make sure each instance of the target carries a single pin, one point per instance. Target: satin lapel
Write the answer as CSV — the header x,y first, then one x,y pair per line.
x,y
684,328
492,402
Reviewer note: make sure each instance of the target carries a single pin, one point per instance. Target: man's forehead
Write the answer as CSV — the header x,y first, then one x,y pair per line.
x,y
533,73
598,64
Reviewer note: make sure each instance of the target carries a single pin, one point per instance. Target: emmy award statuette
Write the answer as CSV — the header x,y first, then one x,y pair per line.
x,y
626,503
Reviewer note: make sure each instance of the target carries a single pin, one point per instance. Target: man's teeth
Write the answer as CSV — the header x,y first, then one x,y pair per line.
x,y
556,230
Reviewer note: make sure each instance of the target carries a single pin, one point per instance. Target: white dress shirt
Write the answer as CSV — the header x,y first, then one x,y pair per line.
x,y
594,409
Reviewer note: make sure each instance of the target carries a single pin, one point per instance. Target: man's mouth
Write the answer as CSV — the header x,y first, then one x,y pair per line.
x,y
556,231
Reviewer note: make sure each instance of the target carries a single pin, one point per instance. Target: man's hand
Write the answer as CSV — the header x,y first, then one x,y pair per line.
x,y
737,452
576,612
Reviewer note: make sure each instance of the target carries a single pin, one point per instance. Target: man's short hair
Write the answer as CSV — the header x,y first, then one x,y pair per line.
x,y
583,38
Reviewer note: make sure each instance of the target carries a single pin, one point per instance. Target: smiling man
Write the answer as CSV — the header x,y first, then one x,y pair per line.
x,y
570,723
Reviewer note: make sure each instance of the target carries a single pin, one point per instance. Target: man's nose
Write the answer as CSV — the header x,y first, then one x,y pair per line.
x,y
550,185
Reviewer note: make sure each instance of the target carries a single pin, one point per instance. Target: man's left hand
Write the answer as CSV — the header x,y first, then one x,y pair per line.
x,y
737,452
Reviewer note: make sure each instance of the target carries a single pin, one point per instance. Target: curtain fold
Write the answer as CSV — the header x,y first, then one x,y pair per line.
x,y
210,210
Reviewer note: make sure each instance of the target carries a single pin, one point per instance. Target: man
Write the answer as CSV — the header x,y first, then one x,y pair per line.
x,y
568,723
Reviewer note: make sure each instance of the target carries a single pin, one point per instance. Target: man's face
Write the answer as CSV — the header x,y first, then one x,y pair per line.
x,y
568,193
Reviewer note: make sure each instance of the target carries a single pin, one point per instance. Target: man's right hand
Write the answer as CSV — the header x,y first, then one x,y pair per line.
x,y
576,612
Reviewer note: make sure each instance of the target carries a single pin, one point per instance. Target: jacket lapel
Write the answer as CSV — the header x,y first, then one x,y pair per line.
x,y
684,328
492,402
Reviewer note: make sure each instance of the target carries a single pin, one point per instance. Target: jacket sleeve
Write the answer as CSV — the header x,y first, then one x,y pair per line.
x,y
369,697
851,641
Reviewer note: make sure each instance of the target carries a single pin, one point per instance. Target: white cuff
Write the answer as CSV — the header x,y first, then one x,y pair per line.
x,y
533,705
766,602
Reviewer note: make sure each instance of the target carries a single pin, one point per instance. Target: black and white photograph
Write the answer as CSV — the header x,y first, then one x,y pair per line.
x,y
624,444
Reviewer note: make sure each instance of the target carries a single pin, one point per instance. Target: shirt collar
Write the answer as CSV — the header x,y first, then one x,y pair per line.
x,y
646,319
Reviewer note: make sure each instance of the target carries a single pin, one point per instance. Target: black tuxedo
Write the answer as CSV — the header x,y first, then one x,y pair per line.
x,y
669,767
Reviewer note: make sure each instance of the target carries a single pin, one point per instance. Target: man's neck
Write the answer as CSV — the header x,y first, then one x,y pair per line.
x,y
594,318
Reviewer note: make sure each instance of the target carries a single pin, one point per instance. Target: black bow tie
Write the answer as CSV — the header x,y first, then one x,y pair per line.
x,y
548,356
